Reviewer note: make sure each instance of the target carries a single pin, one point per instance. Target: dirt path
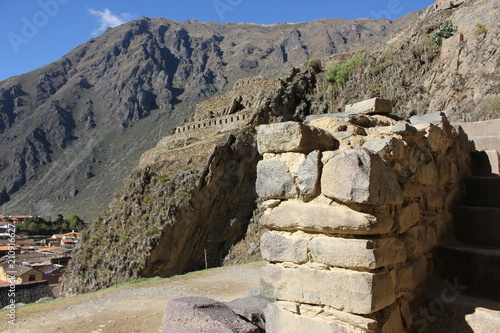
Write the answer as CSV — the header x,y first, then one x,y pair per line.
x,y
131,308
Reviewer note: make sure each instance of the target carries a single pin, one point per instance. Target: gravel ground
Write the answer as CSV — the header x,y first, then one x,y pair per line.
x,y
131,309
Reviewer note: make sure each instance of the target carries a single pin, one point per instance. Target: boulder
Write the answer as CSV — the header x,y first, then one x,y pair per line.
x,y
293,137
274,180
252,309
370,106
204,315
386,148
308,175
360,176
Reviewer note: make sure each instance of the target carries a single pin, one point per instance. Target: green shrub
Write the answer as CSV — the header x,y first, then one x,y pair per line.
x,y
481,29
443,32
338,75
313,64
146,199
491,106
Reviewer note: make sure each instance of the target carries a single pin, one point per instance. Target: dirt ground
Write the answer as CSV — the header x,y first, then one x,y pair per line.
x,y
131,308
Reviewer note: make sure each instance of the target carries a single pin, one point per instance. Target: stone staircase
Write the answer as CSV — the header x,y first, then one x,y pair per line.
x,y
474,257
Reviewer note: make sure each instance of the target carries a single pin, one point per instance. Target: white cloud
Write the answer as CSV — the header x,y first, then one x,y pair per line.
x,y
108,19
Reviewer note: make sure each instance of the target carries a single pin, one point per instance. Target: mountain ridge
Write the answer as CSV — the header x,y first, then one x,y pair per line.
x,y
72,130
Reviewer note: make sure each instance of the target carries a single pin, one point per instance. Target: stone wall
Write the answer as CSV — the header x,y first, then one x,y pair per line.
x,y
223,123
25,293
231,110
353,206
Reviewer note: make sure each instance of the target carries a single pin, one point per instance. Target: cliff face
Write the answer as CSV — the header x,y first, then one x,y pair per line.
x,y
72,130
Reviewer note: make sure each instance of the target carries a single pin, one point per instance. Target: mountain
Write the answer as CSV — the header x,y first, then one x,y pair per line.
x,y
72,130
192,196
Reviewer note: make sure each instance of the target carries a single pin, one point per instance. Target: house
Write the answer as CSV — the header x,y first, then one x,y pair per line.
x,y
15,218
69,239
20,274
4,249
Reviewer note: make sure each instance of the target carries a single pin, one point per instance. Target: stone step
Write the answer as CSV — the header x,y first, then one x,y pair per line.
x,y
482,191
444,308
471,269
477,225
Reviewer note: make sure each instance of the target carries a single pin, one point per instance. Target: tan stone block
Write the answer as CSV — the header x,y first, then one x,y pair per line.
x,y
279,320
420,240
360,176
357,253
293,137
386,148
394,323
427,173
434,198
370,106
412,190
413,275
274,180
409,216
333,218
278,246
351,291
293,161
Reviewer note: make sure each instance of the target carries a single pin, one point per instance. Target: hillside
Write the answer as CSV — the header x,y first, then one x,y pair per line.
x,y
192,196
72,130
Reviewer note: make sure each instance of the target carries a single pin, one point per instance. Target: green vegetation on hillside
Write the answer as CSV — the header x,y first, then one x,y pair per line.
x,y
443,32
39,226
339,74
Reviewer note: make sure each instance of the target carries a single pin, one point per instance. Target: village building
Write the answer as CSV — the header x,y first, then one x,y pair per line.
x,y
20,274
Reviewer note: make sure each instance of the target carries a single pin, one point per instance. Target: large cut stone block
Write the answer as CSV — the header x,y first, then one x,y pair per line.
x,y
280,246
357,253
333,218
351,291
370,106
360,176
293,137
274,180
279,319
199,314
308,175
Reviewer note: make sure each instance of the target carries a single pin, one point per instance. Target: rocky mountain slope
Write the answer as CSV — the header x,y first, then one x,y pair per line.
x,y
447,61
192,196
72,130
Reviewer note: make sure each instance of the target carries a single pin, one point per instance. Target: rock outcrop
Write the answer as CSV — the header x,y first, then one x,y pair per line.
x,y
352,256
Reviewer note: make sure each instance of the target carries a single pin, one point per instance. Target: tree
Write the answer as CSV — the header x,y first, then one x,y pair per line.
x,y
75,222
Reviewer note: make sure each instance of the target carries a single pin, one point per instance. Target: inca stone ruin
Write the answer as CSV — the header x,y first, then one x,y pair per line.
x,y
353,205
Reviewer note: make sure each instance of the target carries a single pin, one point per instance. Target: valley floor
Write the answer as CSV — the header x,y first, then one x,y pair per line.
x,y
133,307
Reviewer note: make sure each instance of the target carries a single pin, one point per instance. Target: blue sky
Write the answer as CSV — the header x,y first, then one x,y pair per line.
x,y
34,33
